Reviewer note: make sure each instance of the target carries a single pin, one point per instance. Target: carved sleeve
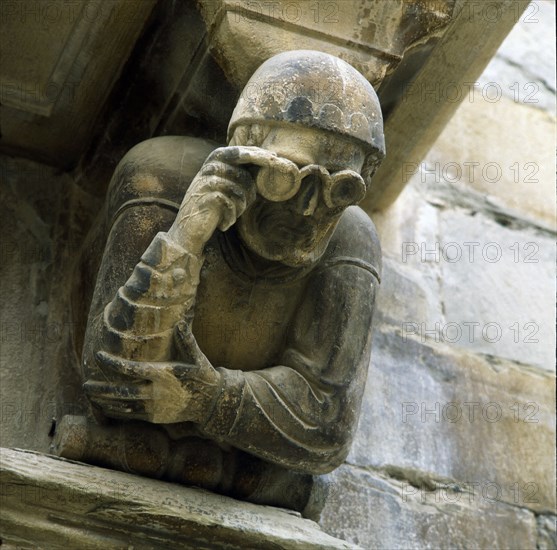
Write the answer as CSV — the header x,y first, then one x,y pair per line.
x,y
303,412
138,323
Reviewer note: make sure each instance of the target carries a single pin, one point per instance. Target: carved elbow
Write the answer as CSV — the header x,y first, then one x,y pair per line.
x,y
337,442
338,433
328,461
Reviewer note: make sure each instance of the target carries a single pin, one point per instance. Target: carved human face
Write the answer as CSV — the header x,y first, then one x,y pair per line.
x,y
297,231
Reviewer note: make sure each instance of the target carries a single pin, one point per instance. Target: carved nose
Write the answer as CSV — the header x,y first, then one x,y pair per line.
x,y
308,197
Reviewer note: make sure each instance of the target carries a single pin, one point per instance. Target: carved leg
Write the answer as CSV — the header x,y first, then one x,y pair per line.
x,y
147,449
140,448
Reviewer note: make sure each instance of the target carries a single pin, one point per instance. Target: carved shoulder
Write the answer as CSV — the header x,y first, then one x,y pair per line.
x,y
355,240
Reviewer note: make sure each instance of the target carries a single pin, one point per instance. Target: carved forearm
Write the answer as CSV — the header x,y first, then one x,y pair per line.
x,y
138,323
303,429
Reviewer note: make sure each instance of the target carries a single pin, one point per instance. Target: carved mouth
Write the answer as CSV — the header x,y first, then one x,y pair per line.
x,y
276,231
284,225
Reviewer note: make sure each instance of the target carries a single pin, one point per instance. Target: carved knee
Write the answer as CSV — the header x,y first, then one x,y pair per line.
x,y
157,170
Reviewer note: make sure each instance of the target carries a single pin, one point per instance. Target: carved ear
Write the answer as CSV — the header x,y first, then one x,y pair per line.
x,y
371,164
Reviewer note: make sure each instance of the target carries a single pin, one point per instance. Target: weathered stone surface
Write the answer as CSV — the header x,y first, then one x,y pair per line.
x,y
518,68
547,537
429,100
29,209
378,512
44,217
434,413
517,172
410,219
59,63
56,503
406,293
504,288
367,508
487,275
373,39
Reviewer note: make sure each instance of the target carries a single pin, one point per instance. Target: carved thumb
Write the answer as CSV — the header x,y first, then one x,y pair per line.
x,y
186,344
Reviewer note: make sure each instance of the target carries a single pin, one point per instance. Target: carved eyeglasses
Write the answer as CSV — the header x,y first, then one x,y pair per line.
x,y
282,179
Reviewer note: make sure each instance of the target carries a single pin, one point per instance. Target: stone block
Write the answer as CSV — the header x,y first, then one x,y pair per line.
x,y
411,218
377,512
373,39
547,537
434,414
505,287
516,173
405,293
488,280
55,503
522,74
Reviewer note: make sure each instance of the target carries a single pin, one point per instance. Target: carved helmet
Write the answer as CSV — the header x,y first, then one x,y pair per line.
x,y
315,90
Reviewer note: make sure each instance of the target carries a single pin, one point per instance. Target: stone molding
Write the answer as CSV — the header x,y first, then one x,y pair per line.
x,y
50,502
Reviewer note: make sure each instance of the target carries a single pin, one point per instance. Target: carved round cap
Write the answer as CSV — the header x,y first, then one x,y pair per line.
x,y
316,90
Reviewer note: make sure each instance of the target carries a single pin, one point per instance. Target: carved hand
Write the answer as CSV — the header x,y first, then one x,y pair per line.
x,y
158,392
216,198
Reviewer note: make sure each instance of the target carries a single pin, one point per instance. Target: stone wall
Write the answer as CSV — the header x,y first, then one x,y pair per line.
x,y
44,217
456,440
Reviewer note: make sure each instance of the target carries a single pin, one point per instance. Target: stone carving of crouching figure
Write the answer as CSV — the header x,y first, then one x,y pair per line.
x,y
229,333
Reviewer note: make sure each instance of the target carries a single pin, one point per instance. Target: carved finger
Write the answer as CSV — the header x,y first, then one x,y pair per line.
x,y
230,209
201,369
238,185
103,390
239,154
123,409
225,171
185,342
124,367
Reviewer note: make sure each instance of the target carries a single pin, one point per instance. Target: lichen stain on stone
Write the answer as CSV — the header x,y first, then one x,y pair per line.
x,y
368,32
146,183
